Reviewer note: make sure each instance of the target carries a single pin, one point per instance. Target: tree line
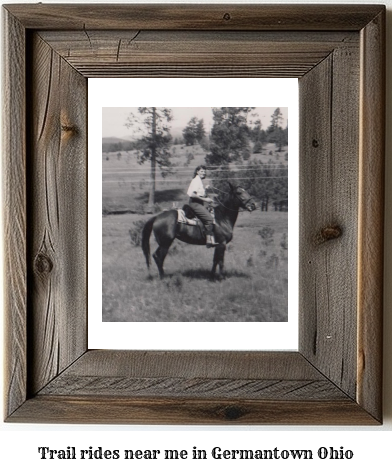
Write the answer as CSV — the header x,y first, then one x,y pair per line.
x,y
267,182
236,133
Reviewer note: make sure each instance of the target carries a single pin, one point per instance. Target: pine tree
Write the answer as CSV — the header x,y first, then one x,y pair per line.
x,y
194,131
275,132
276,119
153,146
229,135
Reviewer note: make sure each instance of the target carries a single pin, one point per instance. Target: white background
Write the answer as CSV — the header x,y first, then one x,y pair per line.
x,y
371,446
189,336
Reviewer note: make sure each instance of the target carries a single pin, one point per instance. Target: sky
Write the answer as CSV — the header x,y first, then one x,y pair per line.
x,y
114,118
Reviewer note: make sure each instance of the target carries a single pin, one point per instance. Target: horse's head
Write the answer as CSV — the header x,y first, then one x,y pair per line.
x,y
245,199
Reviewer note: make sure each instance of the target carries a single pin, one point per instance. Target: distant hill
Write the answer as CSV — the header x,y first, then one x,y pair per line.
x,y
114,144
111,144
175,132
113,140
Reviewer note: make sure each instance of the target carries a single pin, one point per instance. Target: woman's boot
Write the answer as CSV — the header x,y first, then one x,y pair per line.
x,y
210,236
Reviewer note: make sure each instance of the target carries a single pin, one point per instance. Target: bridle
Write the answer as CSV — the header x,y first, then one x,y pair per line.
x,y
243,203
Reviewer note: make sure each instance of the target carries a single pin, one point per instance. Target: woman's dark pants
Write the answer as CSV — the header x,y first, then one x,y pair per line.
x,y
203,214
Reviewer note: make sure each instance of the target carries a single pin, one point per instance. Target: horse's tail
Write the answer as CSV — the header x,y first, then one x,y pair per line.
x,y
146,233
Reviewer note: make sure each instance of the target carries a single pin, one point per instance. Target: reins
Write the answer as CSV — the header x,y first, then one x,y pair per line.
x,y
233,210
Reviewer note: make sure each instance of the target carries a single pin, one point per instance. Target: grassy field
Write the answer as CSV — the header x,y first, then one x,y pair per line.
x,y
255,287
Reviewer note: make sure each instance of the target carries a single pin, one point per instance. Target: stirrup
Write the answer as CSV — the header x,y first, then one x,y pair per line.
x,y
211,241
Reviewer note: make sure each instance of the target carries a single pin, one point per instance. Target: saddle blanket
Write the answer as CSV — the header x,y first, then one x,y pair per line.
x,y
182,219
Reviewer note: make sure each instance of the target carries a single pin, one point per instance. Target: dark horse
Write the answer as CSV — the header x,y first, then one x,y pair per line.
x,y
166,229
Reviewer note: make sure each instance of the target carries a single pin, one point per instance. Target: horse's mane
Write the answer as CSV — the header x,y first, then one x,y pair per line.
x,y
225,202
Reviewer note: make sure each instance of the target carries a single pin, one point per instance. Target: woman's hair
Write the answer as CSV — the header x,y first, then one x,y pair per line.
x,y
200,167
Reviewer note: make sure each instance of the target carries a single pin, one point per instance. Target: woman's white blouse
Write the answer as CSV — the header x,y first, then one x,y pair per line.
x,y
196,186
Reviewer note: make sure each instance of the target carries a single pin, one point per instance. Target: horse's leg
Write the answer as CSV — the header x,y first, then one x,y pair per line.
x,y
219,256
159,257
164,232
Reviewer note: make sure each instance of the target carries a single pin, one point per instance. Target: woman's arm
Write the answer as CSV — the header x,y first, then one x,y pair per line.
x,y
205,199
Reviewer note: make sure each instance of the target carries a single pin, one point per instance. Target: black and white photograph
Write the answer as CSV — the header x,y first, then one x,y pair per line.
x,y
195,214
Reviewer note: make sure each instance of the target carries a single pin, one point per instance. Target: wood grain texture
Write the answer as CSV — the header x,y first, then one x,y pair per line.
x,y
230,375
335,378
154,411
371,215
14,206
194,17
198,53
196,387
58,210
204,388
207,364
329,199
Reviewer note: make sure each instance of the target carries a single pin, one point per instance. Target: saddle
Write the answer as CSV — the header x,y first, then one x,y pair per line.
x,y
187,216
188,211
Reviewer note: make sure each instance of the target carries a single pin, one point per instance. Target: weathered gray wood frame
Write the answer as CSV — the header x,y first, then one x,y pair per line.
x,y
337,52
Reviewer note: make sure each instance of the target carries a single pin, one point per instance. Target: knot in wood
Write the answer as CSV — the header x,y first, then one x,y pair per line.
x,y
43,264
227,16
315,143
68,128
328,233
232,413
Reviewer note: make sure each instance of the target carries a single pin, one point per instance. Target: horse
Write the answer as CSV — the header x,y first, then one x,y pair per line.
x,y
166,228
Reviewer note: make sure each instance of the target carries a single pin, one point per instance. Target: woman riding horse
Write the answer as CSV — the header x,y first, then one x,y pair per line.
x,y
197,198
166,228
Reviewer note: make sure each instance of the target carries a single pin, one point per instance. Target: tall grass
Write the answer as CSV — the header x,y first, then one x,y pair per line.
x,y
255,288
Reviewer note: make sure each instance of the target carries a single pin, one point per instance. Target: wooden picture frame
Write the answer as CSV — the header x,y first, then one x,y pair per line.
x,y
338,54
